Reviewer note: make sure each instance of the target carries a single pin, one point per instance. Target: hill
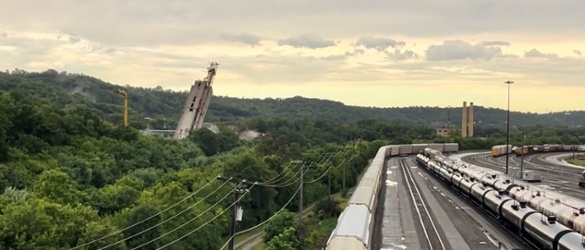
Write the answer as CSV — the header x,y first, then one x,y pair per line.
x,y
164,106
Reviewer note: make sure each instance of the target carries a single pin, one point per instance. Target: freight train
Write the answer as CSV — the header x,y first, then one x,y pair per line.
x,y
355,224
531,215
499,150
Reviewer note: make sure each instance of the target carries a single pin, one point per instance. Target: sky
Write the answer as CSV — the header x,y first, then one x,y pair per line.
x,y
365,53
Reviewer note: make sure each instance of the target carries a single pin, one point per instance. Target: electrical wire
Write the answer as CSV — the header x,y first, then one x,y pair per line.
x,y
189,221
295,180
204,224
287,170
328,169
274,180
168,219
142,221
264,222
278,176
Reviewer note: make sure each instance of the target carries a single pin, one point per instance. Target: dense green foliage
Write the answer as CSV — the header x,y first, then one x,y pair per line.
x,y
69,177
164,106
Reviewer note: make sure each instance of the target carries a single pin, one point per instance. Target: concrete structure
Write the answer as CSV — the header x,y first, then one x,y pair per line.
x,y
196,104
464,120
467,120
471,123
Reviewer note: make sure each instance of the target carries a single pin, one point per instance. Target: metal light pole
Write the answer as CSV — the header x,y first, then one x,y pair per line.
x,y
522,157
508,126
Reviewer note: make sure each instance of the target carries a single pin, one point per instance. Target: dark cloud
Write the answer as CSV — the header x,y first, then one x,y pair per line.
x,y
457,49
311,41
536,53
246,38
577,52
379,44
495,43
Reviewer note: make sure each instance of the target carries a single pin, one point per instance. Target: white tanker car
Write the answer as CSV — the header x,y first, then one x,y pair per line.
x,y
533,216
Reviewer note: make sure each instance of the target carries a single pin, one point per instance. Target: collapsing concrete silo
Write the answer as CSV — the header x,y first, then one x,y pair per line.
x,y
196,104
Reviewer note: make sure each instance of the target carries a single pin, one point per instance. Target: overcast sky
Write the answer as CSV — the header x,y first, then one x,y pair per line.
x,y
367,53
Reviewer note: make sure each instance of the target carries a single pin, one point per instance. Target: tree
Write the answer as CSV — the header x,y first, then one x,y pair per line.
x,y
279,224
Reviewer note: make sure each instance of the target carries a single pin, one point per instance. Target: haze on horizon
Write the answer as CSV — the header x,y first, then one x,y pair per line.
x,y
366,53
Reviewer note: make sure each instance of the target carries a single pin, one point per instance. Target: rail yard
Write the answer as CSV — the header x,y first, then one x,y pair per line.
x,y
429,196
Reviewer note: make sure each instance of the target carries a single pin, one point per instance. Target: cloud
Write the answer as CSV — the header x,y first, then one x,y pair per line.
x,y
73,39
536,53
495,43
179,39
577,52
402,55
246,38
379,44
311,41
457,49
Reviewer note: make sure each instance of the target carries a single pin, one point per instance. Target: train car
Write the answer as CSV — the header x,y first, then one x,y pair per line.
x,y
352,230
516,206
437,146
493,201
451,148
544,230
394,150
499,150
419,148
405,149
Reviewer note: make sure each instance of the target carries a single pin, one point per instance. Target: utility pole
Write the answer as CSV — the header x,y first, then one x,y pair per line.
x,y
449,123
241,188
508,126
302,180
522,157
329,180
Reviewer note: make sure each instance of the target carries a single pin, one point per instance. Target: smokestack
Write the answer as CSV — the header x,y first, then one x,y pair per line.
x,y
471,124
464,120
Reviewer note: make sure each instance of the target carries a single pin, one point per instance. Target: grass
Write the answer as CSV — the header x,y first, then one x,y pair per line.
x,y
260,246
242,237
577,162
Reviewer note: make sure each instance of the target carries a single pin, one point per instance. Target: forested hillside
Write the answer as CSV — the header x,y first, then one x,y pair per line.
x,y
164,106
71,176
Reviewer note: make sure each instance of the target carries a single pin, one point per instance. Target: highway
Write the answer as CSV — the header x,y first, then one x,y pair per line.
x,y
557,177
417,211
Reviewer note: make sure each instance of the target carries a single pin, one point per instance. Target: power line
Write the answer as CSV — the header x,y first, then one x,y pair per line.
x,y
142,221
264,222
165,221
196,229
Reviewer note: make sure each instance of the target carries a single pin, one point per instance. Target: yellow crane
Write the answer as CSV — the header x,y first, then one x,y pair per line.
x,y
125,95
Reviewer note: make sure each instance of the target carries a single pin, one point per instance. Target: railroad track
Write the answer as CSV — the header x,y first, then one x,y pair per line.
x,y
559,178
431,233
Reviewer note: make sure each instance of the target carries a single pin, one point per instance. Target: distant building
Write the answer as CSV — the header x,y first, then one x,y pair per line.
x,y
444,132
249,135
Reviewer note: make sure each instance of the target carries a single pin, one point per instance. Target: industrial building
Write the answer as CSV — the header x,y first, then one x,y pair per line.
x,y
467,122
